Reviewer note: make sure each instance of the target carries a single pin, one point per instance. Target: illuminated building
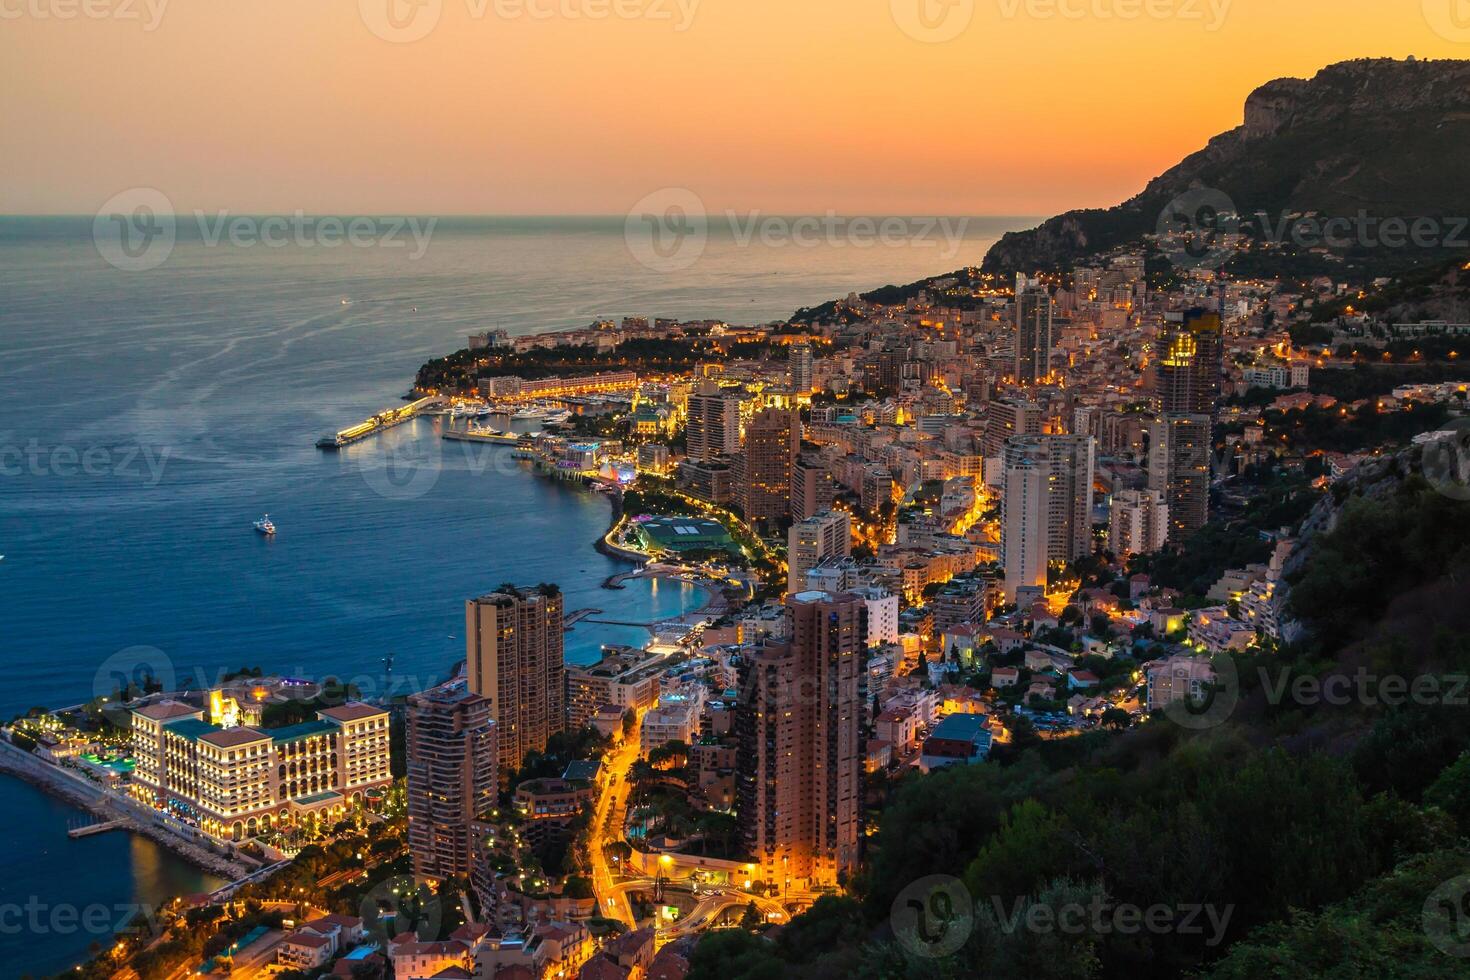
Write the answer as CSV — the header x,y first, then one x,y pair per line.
x,y
1191,365
811,541
1046,507
237,782
1179,470
1139,523
812,489
800,368
1034,332
800,757
763,484
452,783
513,646
714,421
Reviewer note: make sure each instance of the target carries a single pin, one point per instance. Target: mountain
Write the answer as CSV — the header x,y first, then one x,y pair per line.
x,y
1389,138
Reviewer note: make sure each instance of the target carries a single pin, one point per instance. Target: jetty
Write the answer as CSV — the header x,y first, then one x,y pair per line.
x,y
381,422
100,827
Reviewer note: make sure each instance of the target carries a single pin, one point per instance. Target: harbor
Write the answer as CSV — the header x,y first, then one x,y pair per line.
x,y
381,422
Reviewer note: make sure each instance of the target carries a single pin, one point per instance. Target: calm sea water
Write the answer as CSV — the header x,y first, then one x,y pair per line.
x,y
147,418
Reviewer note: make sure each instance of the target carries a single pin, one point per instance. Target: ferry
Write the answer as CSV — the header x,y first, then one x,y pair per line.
x,y
264,526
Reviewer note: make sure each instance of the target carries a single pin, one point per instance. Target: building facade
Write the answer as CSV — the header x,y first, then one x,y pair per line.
x,y
1046,507
827,535
513,642
236,782
452,778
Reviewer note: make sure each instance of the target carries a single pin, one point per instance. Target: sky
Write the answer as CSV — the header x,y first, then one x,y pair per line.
x,y
858,107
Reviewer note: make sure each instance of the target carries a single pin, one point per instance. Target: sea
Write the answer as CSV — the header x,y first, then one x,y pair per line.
x,y
155,403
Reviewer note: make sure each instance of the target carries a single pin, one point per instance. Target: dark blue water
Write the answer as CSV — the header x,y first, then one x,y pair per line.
x,y
147,418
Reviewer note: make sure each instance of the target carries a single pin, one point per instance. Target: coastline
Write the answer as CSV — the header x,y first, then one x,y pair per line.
x,y
56,783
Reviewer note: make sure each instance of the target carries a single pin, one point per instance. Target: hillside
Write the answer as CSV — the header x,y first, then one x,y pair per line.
x,y
1391,138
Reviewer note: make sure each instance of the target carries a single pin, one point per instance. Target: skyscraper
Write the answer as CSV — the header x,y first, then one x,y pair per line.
x,y
1190,366
812,489
452,760
1046,509
714,421
800,759
1034,325
1179,470
827,535
771,443
1005,419
799,368
1139,523
513,645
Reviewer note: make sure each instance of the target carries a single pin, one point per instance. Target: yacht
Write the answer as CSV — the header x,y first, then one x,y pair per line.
x,y
264,526
530,413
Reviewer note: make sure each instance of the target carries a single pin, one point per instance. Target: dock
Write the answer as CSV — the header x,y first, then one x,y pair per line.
x,y
571,619
381,422
95,828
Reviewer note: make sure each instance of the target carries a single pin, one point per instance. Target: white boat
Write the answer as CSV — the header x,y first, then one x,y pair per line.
x,y
529,414
264,526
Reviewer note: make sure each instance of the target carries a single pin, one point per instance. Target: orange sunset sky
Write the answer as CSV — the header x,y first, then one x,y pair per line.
x,y
558,107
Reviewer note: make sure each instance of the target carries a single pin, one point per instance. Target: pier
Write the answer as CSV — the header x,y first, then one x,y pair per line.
x,y
381,422
87,830
571,619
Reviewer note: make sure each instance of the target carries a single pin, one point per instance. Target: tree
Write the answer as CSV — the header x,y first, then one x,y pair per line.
x,y
1115,718
751,920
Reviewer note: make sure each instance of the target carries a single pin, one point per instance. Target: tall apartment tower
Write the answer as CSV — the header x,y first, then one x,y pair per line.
x,y
827,535
812,488
1046,507
1139,523
1034,332
1009,418
714,421
800,369
772,440
800,758
452,784
1190,367
513,645
1179,470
